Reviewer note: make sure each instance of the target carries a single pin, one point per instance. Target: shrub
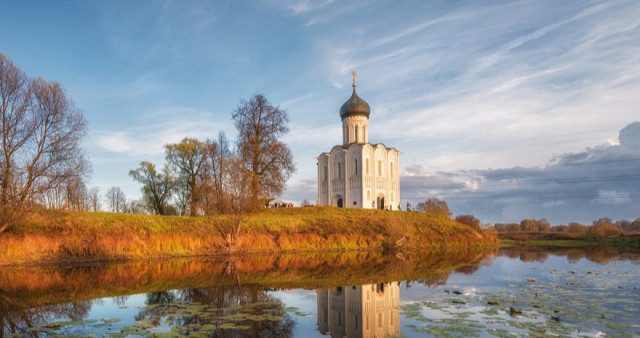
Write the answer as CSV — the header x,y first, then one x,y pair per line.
x,y
603,230
469,220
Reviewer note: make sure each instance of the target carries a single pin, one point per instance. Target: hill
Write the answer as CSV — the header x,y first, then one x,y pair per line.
x,y
48,236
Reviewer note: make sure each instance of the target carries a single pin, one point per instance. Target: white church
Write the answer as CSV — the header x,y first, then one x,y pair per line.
x,y
359,174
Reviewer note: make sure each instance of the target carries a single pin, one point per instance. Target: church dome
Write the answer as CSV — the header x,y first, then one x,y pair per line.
x,y
354,106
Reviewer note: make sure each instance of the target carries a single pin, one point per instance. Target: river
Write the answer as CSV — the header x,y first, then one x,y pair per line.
x,y
513,291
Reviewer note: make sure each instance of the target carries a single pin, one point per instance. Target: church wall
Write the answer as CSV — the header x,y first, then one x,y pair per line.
x,y
361,173
354,129
354,184
337,175
324,179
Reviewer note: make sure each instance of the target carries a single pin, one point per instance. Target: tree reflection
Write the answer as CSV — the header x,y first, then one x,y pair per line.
x,y
192,309
16,320
542,253
235,286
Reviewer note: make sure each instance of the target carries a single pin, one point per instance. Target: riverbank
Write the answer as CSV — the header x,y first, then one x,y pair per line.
x,y
613,243
48,236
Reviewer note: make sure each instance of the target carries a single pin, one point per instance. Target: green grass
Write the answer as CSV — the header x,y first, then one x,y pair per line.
x,y
578,243
53,236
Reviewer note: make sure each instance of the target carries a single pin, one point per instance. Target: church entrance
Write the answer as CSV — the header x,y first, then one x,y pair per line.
x,y
338,202
380,203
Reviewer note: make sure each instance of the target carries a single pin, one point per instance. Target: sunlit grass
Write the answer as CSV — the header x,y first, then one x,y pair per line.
x,y
46,235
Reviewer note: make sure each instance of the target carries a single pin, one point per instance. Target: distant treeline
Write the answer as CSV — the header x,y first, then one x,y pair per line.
x,y
601,228
529,228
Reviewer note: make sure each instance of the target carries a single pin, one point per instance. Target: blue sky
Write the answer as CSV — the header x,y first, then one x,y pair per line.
x,y
496,105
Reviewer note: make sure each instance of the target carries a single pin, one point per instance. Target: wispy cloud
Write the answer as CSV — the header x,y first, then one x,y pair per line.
x,y
149,139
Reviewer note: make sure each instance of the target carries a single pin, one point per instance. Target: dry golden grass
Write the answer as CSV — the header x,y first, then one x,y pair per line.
x,y
54,236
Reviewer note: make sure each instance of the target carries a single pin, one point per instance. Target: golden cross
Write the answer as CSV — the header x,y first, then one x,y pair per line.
x,y
354,78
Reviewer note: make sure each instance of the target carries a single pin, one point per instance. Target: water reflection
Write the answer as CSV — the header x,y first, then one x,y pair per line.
x,y
242,296
370,310
16,320
216,311
542,253
33,297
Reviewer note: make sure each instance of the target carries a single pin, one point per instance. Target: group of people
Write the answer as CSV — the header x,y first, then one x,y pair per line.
x,y
387,208
278,205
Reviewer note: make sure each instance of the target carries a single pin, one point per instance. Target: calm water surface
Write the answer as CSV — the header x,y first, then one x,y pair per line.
x,y
515,291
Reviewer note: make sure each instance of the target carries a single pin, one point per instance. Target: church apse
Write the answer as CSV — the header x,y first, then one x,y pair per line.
x,y
364,311
358,174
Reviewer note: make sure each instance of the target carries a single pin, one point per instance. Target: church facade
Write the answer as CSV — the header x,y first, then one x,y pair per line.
x,y
359,174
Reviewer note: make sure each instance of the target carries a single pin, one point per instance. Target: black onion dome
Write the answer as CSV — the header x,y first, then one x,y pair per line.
x,y
354,106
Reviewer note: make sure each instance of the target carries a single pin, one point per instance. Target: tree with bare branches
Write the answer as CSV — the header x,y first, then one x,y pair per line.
x,y
40,145
267,160
116,200
93,199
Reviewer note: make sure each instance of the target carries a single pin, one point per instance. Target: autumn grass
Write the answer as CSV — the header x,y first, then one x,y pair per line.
x,y
57,236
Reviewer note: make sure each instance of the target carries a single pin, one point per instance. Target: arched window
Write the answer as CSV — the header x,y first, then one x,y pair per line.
x,y
368,195
356,133
379,168
355,166
326,173
366,168
339,170
391,170
364,134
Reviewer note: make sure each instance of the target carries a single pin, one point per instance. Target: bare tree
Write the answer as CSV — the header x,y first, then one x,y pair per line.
x,y
116,200
188,157
93,199
75,192
214,178
235,200
156,186
40,145
268,161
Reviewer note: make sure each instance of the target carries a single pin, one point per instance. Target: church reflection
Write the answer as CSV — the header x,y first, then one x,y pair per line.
x,y
370,310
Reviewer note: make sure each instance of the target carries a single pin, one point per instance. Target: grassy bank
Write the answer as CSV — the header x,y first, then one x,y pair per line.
x,y
551,239
56,236
614,243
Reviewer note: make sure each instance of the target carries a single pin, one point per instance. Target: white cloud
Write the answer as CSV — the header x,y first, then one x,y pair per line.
x,y
116,142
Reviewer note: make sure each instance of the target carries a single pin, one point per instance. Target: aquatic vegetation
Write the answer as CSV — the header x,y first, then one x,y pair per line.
x,y
560,302
253,296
